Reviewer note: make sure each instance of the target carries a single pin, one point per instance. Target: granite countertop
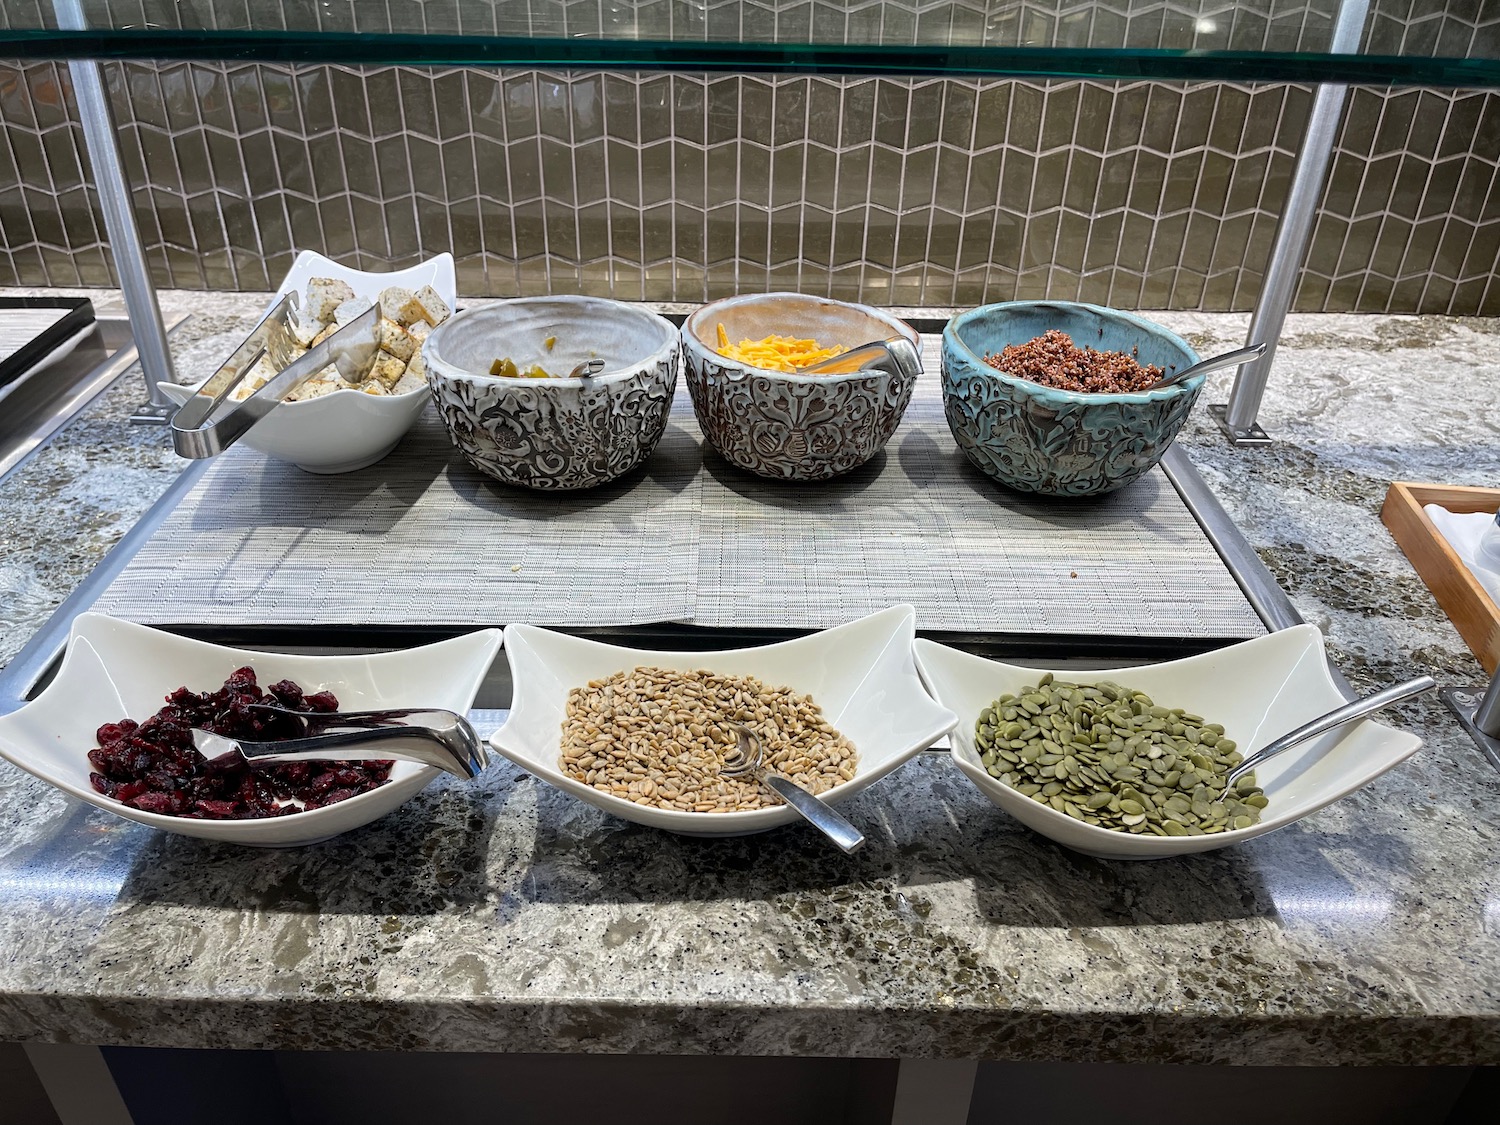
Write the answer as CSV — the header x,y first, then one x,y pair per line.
x,y
503,915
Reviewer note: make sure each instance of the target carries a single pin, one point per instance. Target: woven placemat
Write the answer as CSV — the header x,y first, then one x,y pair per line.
x,y
424,539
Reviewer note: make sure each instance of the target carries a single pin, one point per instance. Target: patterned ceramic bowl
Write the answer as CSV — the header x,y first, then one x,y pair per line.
x,y
1058,443
554,433
793,427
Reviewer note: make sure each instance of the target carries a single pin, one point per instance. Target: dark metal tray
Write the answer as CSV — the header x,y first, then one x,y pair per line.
x,y
78,314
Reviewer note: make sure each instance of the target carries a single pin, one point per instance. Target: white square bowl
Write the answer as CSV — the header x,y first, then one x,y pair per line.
x,y
861,675
1258,690
345,430
115,669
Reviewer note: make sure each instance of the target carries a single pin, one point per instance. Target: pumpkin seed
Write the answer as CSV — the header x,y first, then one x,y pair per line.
x,y
1110,756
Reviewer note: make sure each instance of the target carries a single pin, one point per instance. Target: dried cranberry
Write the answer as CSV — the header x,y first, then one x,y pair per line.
x,y
153,802
154,766
322,701
286,691
240,679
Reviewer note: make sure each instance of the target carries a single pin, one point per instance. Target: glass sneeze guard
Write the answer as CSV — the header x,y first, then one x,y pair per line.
x,y
1455,44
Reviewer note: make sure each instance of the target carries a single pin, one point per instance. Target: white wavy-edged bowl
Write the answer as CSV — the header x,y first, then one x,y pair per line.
x,y
861,674
345,430
1257,690
115,669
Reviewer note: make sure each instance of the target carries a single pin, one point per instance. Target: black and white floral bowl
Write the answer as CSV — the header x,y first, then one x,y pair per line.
x,y
787,426
558,433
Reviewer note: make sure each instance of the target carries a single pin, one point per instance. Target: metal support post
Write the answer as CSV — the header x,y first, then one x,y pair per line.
x,y
1479,714
1293,232
119,221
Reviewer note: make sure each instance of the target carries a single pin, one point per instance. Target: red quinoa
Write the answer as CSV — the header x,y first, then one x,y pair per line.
x,y
1053,360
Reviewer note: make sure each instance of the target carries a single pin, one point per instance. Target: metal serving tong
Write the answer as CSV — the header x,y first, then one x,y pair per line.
x,y
896,356
432,737
210,422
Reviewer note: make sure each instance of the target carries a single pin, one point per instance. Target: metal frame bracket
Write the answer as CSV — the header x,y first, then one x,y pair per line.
x,y
1464,703
1250,434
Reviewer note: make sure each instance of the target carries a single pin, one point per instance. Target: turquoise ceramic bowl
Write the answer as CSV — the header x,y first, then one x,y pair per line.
x,y
1058,443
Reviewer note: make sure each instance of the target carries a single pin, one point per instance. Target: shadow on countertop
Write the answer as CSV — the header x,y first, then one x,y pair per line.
x,y
509,841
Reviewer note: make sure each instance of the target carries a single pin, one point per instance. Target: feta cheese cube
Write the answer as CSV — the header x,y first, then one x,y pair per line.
x,y
394,339
387,370
435,310
303,327
399,304
408,383
350,309
324,295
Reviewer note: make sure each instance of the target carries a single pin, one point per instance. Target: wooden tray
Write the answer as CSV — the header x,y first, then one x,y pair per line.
x,y
1463,599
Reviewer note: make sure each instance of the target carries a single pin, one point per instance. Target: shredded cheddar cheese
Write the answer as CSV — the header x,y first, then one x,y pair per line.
x,y
776,353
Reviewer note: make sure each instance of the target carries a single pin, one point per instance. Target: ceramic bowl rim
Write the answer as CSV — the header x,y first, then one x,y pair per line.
x,y
691,339
1057,394
441,368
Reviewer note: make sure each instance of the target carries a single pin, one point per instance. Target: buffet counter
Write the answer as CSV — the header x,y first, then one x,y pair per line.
x,y
504,915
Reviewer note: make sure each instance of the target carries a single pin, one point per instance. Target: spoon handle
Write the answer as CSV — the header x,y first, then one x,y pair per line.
x,y
823,817
1335,718
1228,359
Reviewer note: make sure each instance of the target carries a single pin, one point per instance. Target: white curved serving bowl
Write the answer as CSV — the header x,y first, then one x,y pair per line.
x,y
1257,690
558,433
345,430
861,674
116,669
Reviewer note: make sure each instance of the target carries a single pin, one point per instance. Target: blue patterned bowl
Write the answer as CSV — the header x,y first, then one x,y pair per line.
x,y
1058,443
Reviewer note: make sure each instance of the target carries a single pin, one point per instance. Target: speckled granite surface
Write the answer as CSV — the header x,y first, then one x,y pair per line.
x,y
505,916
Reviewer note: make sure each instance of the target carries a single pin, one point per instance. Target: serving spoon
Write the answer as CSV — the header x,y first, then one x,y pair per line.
x,y
746,758
1323,723
1213,363
895,356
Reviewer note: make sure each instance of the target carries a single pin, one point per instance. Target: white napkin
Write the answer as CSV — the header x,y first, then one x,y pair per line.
x,y
1462,530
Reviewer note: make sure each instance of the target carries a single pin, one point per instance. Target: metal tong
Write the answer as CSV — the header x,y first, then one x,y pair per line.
x,y
896,356
430,736
211,421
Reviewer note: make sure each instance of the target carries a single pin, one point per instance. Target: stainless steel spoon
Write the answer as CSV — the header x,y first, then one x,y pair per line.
x,y
585,369
1335,718
896,356
1213,363
746,758
430,736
